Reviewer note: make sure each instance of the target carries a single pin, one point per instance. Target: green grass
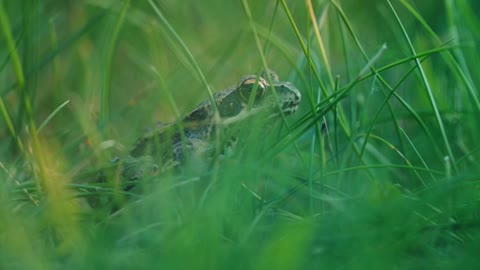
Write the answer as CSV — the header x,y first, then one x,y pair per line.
x,y
377,170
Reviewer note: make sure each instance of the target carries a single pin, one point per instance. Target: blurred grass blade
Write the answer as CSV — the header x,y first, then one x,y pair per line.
x,y
264,61
417,152
10,126
372,61
105,91
5,25
461,71
186,51
402,155
50,116
63,46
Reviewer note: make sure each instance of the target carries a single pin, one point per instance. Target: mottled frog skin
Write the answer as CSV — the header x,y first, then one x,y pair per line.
x,y
168,147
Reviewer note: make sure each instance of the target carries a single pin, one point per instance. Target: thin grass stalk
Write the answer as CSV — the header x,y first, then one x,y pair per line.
x,y
428,89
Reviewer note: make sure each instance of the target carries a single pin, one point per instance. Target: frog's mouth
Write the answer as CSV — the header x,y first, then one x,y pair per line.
x,y
285,99
286,106
290,107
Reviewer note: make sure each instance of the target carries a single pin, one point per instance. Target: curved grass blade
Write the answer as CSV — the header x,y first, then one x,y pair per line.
x,y
50,116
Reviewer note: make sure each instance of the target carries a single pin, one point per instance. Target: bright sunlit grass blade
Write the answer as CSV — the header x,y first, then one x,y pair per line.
x,y
319,38
301,42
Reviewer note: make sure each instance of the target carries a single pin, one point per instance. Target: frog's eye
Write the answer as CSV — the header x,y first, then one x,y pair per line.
x,y
272,74
247,86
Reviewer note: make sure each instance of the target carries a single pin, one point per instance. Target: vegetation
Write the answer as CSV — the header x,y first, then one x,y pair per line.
x,y
377,170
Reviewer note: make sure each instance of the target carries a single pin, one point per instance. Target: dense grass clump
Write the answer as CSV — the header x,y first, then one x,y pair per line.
x,y
377,170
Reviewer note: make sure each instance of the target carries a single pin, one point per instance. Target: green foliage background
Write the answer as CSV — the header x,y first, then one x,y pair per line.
x,y
391,182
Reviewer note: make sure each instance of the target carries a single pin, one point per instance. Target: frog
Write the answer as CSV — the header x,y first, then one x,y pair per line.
x,y
170,144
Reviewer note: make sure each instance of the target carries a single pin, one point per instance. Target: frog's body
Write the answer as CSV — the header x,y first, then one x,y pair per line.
x,y
168,146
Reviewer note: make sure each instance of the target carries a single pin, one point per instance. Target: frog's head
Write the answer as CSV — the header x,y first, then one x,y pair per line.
x,y
283,95
232,101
